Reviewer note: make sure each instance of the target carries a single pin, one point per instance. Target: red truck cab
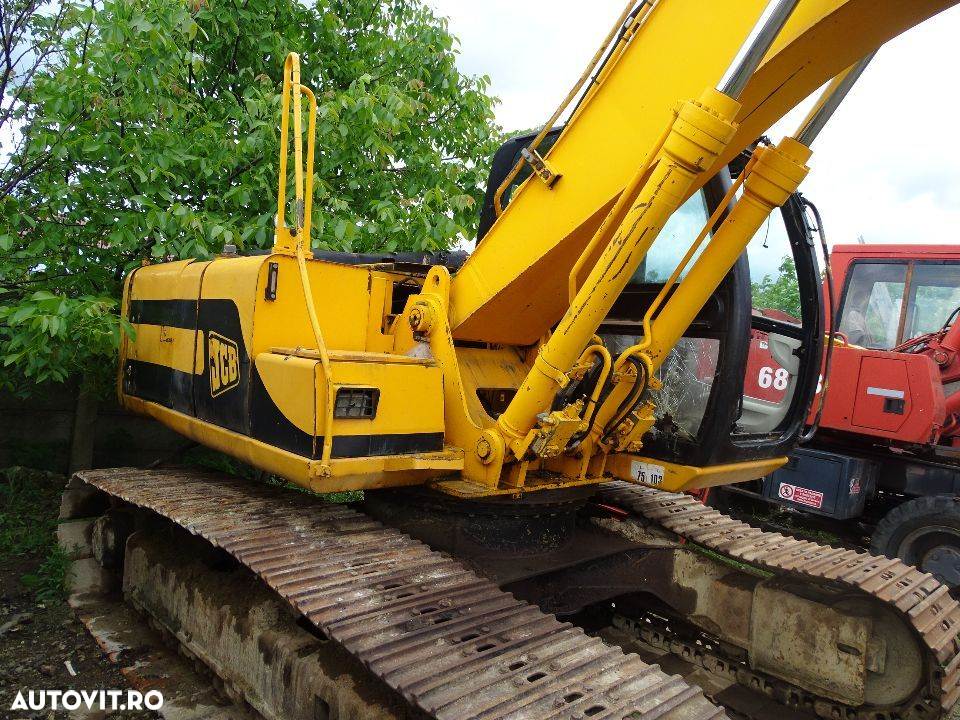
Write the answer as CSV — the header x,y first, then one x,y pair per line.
x,y
887,449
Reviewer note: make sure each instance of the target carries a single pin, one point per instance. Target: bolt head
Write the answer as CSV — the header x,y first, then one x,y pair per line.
x,y
483,448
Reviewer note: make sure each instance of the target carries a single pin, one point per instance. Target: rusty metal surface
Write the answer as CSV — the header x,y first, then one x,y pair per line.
x,y
917,597
449,641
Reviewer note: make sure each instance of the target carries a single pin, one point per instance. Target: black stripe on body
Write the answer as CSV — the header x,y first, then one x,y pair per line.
x,y
271,426
263,420
345,446
170,313
160,384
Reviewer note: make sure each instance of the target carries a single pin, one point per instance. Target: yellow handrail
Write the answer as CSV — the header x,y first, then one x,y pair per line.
x,y
300,232
581,81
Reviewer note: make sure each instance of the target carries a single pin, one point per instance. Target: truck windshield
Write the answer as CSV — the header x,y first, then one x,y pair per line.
x,y
935,294
888,303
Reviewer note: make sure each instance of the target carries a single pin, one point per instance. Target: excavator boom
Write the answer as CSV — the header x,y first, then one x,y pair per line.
x,y
491,409
679,48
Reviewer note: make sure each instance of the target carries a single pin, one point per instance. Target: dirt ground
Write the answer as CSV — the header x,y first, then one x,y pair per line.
x,y
41,640
38,639
39,634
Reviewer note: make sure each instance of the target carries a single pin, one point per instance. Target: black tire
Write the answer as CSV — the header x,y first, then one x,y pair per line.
x,y
924,532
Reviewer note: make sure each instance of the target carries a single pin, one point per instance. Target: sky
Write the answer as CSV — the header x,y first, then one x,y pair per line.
x,y
886,168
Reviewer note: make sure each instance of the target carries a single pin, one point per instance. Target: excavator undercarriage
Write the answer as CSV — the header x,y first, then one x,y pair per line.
x,y
490,409
509,624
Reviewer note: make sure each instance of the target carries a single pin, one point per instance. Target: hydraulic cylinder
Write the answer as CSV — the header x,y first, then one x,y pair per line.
x,y
776,175
699,133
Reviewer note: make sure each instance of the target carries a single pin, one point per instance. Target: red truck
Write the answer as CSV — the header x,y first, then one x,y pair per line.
x,y
886,452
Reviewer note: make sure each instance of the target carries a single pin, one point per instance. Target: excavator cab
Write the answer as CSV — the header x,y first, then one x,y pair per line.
x,y
708,412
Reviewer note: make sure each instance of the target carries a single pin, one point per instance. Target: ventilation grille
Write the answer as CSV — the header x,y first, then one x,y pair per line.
x,y
356,402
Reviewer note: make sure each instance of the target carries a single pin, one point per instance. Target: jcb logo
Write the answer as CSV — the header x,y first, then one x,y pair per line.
x,y
223,359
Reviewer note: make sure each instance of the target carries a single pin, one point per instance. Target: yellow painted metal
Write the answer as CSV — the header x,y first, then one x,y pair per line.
x,y
622,466
698,134
821,40
680,478
484,450
378,471
158,344
604,145
284,322
597,154
574,91
287,381
293,91
498,371
168,346
615,217
299,234
333,326
777,172
469,489
285,378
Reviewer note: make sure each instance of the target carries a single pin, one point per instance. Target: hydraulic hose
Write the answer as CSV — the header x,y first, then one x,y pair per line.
x,y
633,397
832,330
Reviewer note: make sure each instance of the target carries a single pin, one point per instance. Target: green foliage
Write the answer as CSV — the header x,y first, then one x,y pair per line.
x,y
347,496
780,293
50,336
49,582
29,501
219,462
152,133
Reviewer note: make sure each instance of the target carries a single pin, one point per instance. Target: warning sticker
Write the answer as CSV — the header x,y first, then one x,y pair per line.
x,y
647,473
801,495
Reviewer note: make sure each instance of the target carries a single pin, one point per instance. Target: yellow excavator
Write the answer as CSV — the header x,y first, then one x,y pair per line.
x,y
522,421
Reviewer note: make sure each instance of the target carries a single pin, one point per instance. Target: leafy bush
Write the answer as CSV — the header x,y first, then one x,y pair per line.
x,y
148,130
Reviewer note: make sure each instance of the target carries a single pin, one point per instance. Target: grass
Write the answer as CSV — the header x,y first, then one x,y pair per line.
x,y
47,583
29,504
788,520
731,562
29,500
213,460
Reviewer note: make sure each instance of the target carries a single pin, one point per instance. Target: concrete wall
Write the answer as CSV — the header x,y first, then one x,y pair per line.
x,y
38,432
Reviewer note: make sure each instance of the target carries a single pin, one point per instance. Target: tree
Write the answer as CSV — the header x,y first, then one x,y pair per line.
x,y
780,293
155,136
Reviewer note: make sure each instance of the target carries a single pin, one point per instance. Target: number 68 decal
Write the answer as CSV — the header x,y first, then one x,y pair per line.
x,y
778,379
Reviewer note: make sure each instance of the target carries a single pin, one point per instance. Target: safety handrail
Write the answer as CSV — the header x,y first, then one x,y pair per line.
x,y
581,81
300,231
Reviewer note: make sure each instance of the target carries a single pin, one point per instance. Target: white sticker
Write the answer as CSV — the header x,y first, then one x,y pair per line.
x,y
886,393
801,495
647,473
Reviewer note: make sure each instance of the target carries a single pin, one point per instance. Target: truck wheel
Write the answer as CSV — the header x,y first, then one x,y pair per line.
x,y
924,532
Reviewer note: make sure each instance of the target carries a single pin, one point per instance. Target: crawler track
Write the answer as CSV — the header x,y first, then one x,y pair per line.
x,y
925,604
448,641
453,645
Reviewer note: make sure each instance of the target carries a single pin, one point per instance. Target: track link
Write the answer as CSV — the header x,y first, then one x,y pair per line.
x,y
918,597
447,640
